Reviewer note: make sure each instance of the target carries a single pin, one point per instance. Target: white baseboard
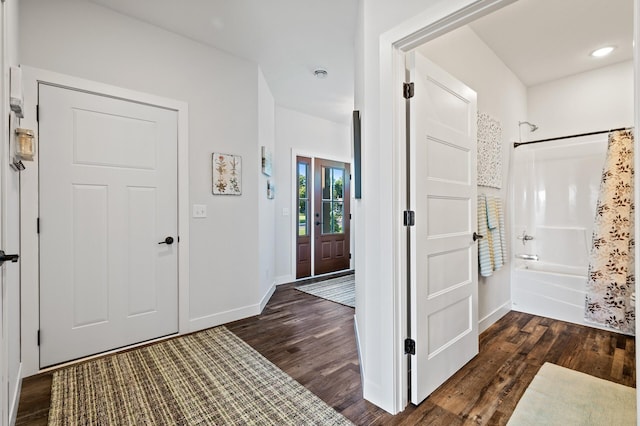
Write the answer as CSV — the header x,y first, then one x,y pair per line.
x,y
494,316
15,399
220,318
267,296
284,279
355,328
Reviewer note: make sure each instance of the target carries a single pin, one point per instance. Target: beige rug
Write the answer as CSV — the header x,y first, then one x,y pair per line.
x,y
208,378
340,290
560,396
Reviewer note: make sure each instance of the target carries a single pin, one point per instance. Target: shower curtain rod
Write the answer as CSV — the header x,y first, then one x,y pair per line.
x,y
517,144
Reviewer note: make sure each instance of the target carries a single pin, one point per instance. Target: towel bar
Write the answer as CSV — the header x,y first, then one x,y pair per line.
x,y
527,256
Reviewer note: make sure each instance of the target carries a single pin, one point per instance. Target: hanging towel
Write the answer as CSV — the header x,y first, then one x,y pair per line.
x,y
484,255
503,236
493,223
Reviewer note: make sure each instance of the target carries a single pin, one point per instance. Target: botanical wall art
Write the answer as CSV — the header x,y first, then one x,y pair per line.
x,y
489,151
227,174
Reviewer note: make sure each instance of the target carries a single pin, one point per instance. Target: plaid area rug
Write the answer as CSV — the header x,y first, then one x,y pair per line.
x,y
207,378
340,290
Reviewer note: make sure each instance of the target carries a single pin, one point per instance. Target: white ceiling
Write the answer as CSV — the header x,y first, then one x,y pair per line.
x,y
539,40
289,39
543,40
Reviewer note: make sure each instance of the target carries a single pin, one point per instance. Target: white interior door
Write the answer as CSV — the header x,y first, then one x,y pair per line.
x,y
108,200
444,308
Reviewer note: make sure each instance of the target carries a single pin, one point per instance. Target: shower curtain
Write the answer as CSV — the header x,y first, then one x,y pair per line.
x,y
611,279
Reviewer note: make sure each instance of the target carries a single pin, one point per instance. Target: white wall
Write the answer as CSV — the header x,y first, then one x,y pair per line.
x,y
591,101
300,134
10,356
266,207
222,91
503,96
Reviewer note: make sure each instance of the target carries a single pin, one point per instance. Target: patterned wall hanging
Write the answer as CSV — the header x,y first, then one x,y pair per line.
x,y
227,174
489,151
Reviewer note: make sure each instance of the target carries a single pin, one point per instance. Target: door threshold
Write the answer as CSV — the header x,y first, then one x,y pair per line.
x,y
110,352
323,277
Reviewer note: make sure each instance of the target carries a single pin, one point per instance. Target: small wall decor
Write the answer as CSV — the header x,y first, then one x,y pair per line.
x,y
270,189
267,161
227,174
489,151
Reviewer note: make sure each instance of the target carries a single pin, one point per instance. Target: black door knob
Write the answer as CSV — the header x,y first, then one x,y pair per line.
x,y
168,240
8,257
477,236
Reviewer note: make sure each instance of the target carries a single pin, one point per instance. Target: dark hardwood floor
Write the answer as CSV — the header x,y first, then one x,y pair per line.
x,y
313,341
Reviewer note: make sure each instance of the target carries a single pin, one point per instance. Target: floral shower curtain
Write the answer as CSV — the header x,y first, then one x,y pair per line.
x,y
611,279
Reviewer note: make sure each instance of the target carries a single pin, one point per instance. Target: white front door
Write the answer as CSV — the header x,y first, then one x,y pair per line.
x,y
443,259
108,201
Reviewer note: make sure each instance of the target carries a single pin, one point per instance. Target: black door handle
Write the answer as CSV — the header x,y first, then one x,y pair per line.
x,y
477,236
13,258
168,240
318,223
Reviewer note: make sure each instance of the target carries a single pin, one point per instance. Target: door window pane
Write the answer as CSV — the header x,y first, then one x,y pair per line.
x,y
332,200
303,224
303,200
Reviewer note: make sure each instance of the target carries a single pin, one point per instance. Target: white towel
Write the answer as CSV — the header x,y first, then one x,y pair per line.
x,y
484,255
503,235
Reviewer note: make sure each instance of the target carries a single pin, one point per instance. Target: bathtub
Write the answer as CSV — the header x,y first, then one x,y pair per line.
x,y
550,290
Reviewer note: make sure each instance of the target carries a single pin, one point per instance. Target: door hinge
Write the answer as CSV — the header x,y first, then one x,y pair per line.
x,y
350,177
349,255
407,90
409,347
409,218
349,215
38,337
38,225
38,113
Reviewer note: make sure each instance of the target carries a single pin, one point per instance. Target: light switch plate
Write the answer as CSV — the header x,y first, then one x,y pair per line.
x,y
199,210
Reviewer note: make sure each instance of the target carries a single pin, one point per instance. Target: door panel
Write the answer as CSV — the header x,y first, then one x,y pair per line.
x,y
331,216
303,217
443,259
108,196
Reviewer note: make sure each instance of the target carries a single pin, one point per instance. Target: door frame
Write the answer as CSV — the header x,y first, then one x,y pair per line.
x,y
294,207
29,202
394,44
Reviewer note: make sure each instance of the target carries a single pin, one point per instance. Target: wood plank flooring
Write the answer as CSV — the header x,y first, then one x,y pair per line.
x,y
313,340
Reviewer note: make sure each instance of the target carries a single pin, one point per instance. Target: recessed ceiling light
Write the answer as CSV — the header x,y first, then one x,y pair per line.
x,y
320,73
603,51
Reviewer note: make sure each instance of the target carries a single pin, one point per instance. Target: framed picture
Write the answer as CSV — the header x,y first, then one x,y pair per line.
x,y
227,174
267,161
357,155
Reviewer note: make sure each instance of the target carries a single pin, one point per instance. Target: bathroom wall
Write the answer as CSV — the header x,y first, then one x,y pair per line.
x,y
595,100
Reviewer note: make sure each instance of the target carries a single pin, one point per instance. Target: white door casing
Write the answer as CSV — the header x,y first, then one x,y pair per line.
x,y
108,196
443,258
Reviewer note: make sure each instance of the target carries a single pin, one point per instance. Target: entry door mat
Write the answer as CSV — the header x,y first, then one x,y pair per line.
x,y
207,378
560,396
340,290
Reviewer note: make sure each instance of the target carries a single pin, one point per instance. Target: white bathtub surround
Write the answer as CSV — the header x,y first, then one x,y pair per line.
x,y
555,190
611,261
492,246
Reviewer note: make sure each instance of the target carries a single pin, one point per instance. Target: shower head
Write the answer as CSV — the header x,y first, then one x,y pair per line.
x,y
532,127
